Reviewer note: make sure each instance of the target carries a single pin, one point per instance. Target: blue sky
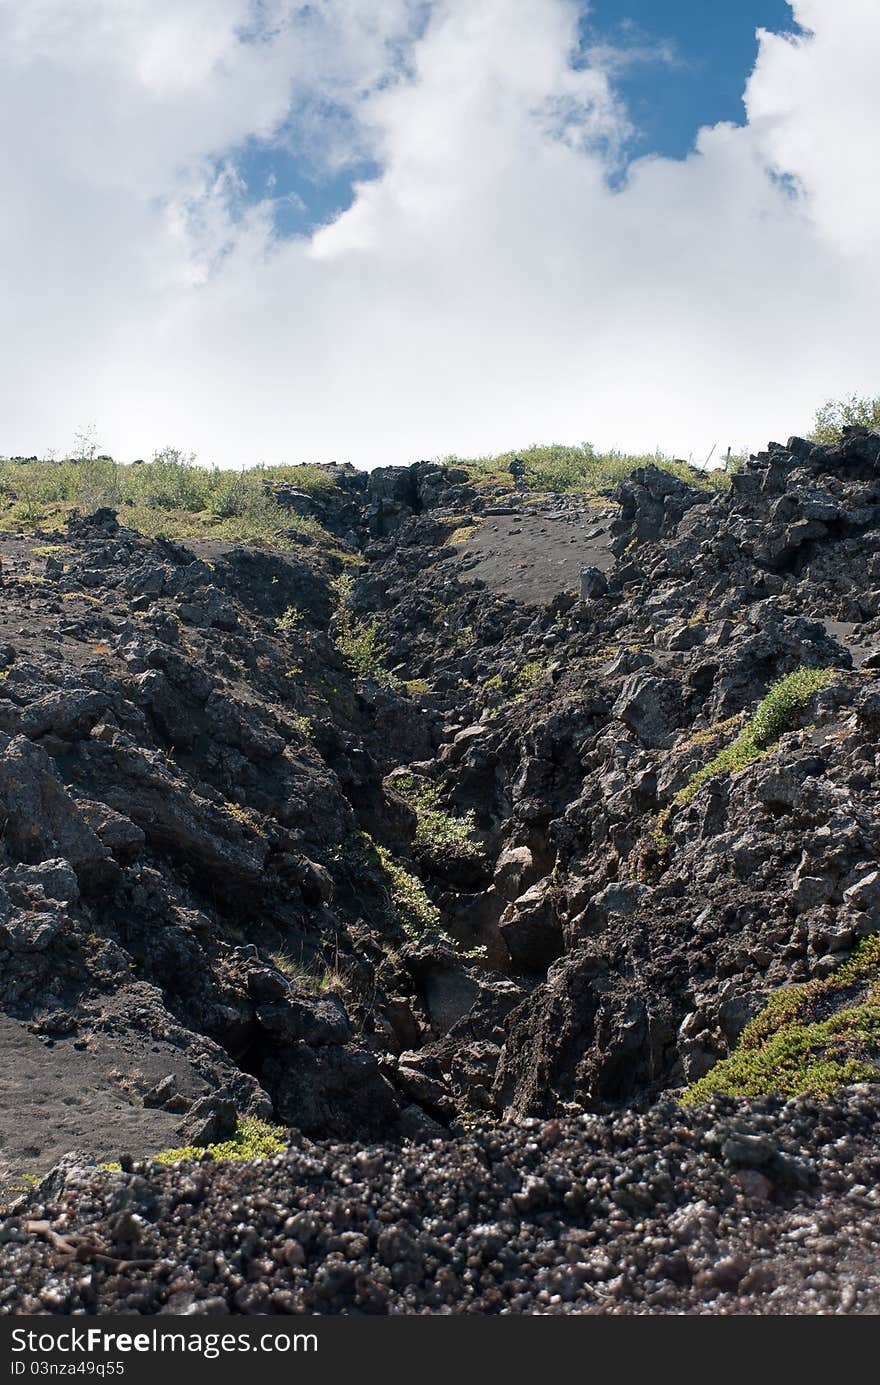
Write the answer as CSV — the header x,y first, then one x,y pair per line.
x,y
713,47
678,66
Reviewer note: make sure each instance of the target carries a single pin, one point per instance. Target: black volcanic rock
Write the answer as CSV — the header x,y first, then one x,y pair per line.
x,y
461,851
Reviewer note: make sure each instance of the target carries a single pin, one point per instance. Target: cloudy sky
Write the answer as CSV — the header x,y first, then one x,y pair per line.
x,y
378,230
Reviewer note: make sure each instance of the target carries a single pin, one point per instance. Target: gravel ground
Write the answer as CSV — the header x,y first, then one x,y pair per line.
x,y
716,1210
539,551
82,1090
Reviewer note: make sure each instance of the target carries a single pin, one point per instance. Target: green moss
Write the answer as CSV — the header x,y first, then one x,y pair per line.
x,y
809,1040
779,712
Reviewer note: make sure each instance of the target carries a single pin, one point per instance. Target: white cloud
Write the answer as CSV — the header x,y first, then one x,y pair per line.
x,y
486,289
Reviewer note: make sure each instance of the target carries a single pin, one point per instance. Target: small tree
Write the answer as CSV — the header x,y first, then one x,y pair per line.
x,y
834,416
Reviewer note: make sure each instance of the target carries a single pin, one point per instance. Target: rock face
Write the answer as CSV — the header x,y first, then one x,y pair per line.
x,y
491,872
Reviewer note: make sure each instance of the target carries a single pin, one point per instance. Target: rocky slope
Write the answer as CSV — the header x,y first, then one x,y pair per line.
x,y
480,815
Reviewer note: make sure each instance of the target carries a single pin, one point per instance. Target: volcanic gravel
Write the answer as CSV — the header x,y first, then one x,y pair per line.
x,y
715,1210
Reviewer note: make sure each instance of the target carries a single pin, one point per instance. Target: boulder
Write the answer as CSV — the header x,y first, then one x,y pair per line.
x,y
42,821
649,705
515,872
532,930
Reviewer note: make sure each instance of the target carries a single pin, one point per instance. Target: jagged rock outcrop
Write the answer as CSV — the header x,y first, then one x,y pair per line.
x,y
212,848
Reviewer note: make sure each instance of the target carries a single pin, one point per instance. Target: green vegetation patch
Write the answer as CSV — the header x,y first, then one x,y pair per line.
x,y
516,685
289,621
359,641
836,414
440,835
808,1040
373,869
558,467
170,495
530,676
304,476
253,1139
304,978
778,713
462,533
411,907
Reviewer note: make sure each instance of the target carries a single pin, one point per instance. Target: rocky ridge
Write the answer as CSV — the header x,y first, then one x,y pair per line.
x,y
222,891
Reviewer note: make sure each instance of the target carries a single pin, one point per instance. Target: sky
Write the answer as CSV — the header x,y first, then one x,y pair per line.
x,y
381,230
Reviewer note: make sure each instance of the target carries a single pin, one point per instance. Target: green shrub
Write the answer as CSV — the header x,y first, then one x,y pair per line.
x,y
797,1048
836,414
289,621
490,690
528,677
370,870
412,909
305,476
439,834
359,641
779,712
253,1139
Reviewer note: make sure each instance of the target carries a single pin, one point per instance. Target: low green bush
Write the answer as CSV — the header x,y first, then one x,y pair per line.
x,y
373,872
778,713
412,909
529,676
809,1040
359,641
253,1139
440,835
836,414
